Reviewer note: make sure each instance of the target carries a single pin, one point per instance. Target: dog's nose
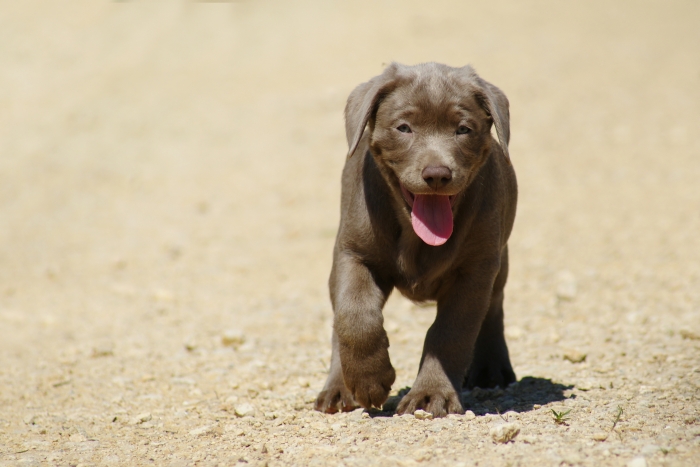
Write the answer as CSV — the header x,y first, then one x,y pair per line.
x,y
437,176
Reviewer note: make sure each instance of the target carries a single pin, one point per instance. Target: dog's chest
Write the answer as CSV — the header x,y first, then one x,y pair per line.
x,y
421,273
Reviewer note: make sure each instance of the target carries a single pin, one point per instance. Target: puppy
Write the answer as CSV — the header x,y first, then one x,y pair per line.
x,y
427,206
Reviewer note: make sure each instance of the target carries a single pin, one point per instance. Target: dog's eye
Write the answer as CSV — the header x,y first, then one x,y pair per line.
x,y
404,128
463,130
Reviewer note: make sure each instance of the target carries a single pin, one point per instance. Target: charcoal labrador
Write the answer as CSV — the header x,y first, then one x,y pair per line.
x,y
427,206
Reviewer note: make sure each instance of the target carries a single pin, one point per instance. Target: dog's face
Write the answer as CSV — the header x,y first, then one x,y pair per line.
x,y
433,136
430,133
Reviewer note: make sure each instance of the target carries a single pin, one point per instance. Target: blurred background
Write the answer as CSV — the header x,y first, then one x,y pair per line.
x,y
171,169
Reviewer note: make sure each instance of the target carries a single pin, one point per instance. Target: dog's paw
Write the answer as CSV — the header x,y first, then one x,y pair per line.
x,y
373,392
369,380
439,401
490,369
335,399
489,375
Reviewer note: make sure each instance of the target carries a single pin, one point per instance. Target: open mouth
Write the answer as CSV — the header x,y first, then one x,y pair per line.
x,y
410,197
431,216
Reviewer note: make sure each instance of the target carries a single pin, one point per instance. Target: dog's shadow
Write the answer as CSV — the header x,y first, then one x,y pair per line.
x,y
521,396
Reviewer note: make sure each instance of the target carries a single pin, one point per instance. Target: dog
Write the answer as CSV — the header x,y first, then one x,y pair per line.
x,y
427,205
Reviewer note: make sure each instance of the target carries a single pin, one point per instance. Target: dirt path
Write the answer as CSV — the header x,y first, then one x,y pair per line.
x,y
169,184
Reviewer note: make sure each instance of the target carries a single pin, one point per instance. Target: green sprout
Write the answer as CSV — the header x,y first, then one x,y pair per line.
x,y
560,418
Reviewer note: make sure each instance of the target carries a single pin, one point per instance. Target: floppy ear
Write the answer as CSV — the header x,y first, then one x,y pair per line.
x,y
495,103
363,102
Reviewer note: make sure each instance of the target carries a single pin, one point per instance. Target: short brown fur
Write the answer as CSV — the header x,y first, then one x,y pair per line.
x,y
377,249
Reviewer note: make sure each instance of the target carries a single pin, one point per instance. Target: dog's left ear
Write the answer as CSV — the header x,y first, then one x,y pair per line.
x,y
363,103
495,103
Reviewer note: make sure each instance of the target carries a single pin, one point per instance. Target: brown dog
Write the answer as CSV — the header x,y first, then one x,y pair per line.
x,y
428,203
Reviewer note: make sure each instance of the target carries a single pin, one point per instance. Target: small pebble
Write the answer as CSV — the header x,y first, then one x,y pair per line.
x,y
102,351
504,432
232,338
575,356
190,345
423,415
183,381
600,436
586,385
685,334
202,430
141,418
30,419
514,332
233,428
469,415
637,462
244,410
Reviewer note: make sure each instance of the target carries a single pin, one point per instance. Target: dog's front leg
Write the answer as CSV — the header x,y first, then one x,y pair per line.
x,y
335,397
360,344
449,345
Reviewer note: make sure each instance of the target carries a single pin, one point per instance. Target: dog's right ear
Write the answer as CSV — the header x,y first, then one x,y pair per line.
x,y
363,103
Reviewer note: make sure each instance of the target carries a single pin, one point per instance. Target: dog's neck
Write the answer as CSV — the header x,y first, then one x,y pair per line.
x,y
416,262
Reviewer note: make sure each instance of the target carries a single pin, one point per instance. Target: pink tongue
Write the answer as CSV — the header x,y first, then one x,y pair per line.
x,y
432,218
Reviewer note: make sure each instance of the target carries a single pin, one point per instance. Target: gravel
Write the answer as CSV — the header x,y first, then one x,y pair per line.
x,y
504,432
169,189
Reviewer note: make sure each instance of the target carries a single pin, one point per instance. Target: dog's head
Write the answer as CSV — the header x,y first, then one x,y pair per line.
x,y
430,132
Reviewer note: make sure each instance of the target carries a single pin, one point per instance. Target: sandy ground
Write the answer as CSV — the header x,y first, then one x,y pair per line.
x,y
169,186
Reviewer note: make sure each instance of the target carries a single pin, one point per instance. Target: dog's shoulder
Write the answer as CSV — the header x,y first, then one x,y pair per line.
x,y
494,198
368,219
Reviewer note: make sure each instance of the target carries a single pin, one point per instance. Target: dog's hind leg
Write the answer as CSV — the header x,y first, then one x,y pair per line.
x,y
490,366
